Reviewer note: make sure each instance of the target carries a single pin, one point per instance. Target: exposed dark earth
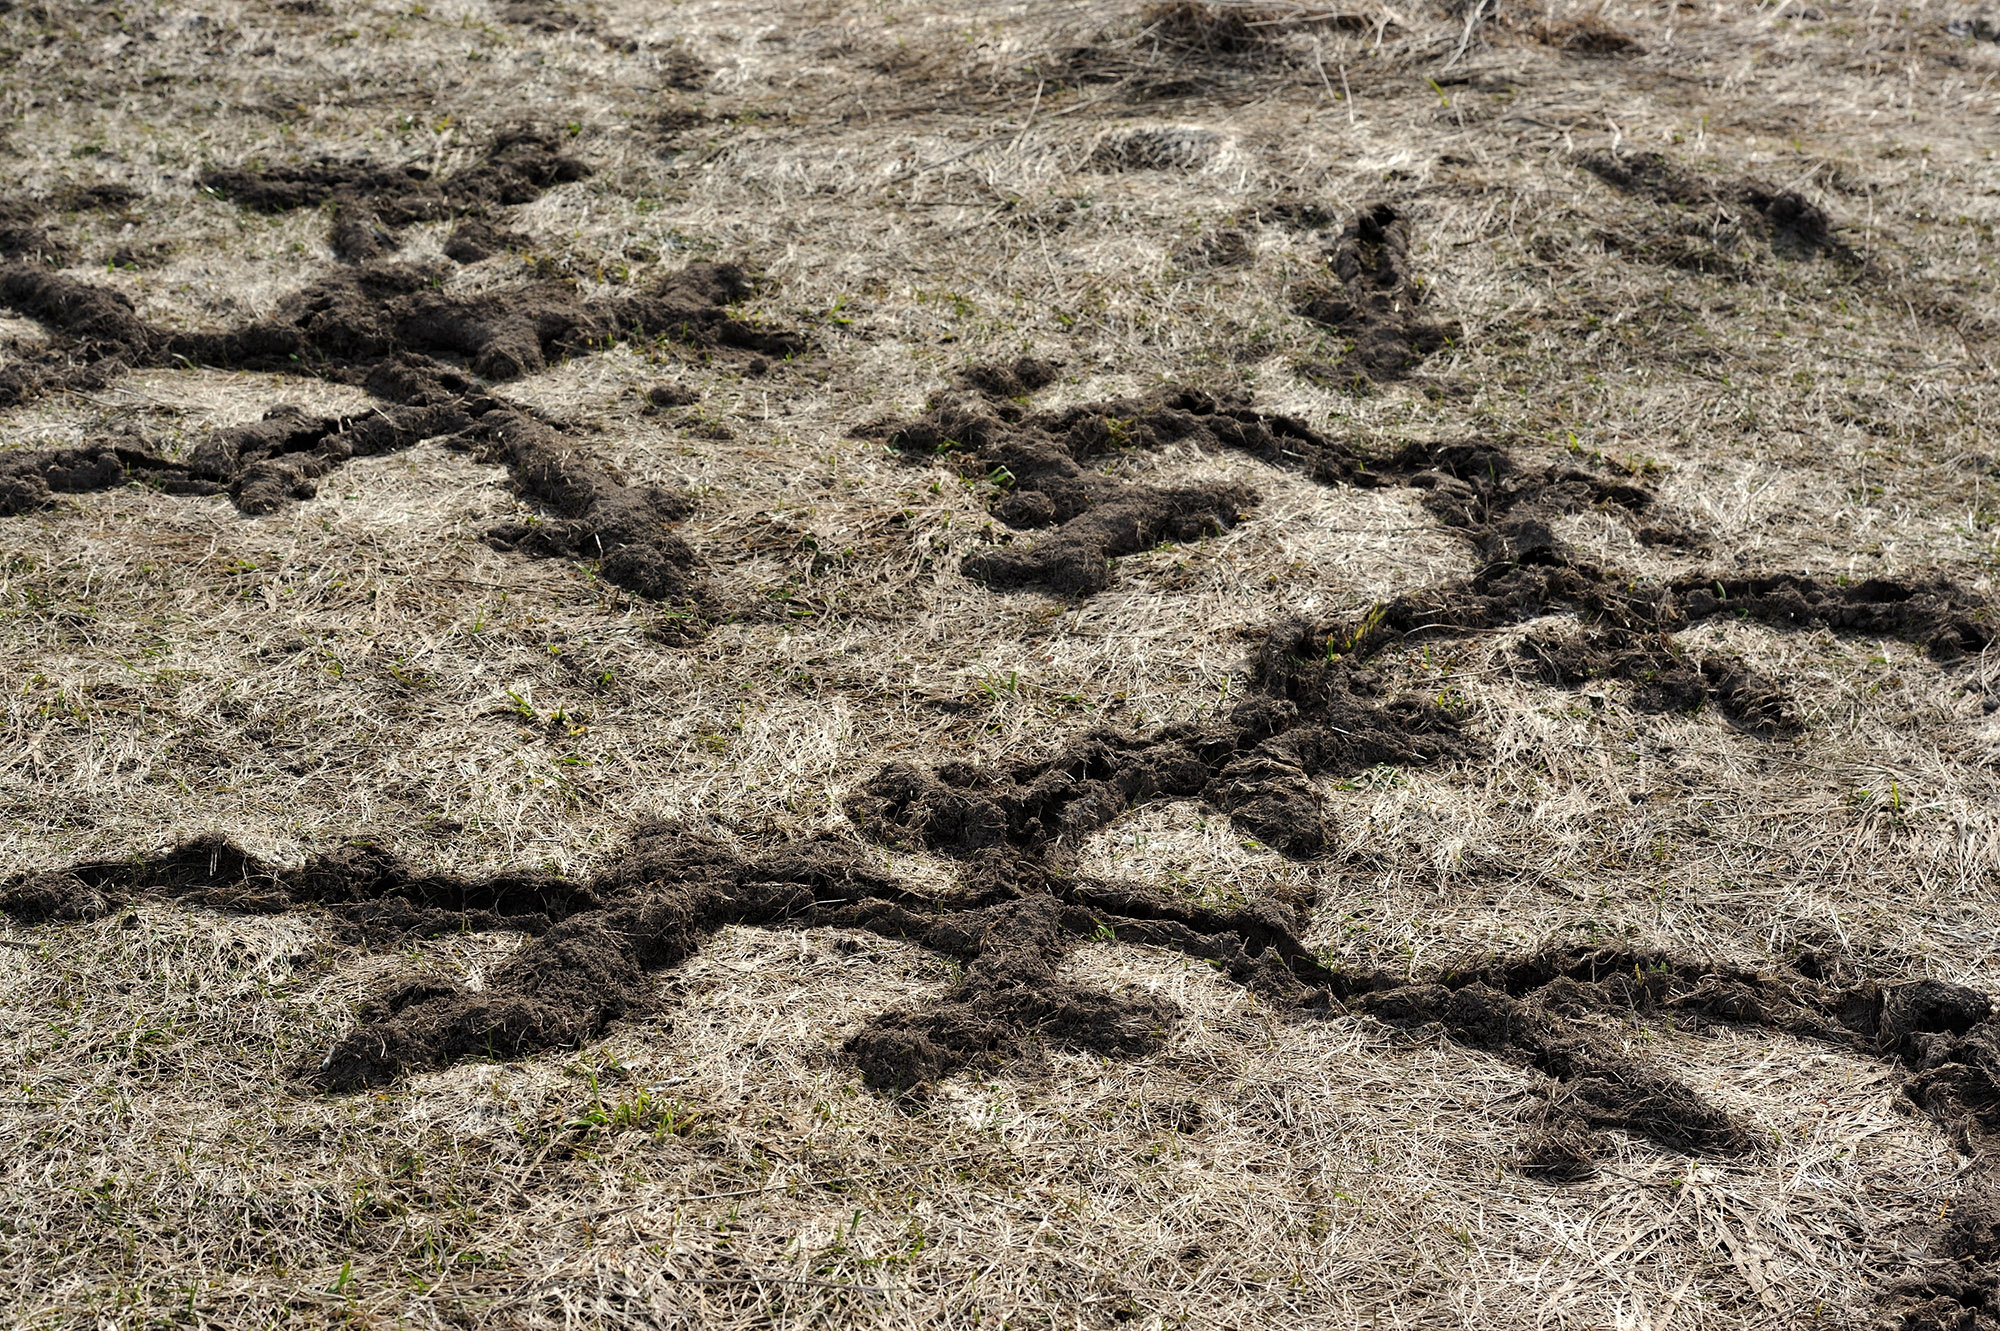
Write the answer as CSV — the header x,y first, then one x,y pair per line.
x,y
1458,540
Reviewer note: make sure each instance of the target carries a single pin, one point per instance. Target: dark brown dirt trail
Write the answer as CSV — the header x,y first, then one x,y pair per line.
x,y
380,326
1012,919
1375,302
372,202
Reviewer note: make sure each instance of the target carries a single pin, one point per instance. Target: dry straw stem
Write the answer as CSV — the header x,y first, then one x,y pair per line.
x,y
926,188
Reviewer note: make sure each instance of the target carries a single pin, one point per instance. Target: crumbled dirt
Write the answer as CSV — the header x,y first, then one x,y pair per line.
x,y
623,527
1504,510
1629,634
1042,465
1016,913
1208,29
371,202
1790,223
1145,193
1017,379
22,235
1665,679
354,319
1256,765
1321,713
1376,304
475,238
1323,709
271,463
374,325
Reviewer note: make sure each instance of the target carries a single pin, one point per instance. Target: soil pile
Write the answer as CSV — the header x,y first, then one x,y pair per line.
x,y
1719,212
1014,915
371,203
24,230
1376,303
379,325
1043,463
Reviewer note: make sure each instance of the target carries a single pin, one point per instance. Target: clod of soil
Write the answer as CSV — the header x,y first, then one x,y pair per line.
x,y
357,318
1786,219
376,325
1588,35
1041,463
1377,303
22,235
1014,916
1630,640
1665,678
475,238
1504,510
1256,765
372,202
1020,379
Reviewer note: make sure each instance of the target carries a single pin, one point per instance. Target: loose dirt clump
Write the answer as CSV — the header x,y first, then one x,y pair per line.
x,y
1017,380
348,322
377,325
1628,637
1015,914
1256,765
1041,465
1376,304
24,233
1665,679
266,465
544,16
372,202
1208,29
1718,212
1505,511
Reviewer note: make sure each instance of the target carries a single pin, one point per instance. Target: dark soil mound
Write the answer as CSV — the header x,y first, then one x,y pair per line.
x,y
1043,462
24,233
372,202
1013,918
355,319
1255,765
1011,921
1787,221
1505,511
268,464
1043,465
1017,380
378,325
1377,303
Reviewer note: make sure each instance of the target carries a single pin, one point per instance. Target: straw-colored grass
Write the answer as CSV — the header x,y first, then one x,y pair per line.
x,y
928,186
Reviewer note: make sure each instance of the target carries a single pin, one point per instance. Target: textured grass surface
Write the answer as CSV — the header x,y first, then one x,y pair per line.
x,y
1104,186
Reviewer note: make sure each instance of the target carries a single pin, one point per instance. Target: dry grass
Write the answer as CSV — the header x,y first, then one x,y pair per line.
x,y
928,187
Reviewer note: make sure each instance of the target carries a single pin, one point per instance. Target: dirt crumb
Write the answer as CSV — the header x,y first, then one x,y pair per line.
x,y
1376,303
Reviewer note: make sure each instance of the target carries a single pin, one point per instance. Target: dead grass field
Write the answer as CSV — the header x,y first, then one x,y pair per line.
x,y
1144,196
